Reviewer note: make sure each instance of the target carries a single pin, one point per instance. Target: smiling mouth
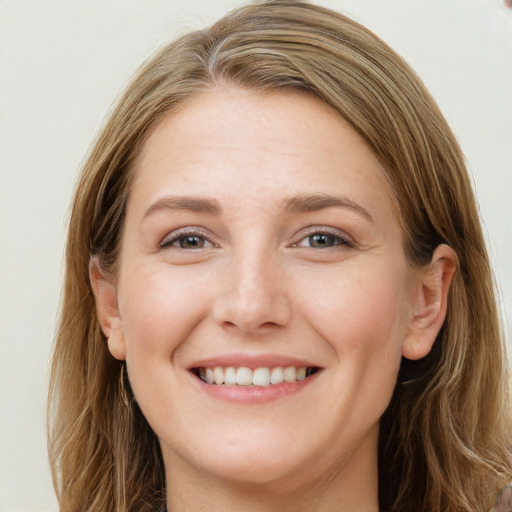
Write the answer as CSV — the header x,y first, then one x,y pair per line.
x,y
244,376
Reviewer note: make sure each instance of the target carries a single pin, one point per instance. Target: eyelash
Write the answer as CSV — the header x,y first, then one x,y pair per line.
x,y
339,239
182,234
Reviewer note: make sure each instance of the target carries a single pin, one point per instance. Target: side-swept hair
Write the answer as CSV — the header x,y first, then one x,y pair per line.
x,y
444,440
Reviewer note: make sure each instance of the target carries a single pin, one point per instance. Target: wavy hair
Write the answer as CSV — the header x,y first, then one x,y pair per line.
x,y
444,439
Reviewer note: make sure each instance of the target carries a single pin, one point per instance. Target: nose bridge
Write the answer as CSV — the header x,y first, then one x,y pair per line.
x,y
256,273
255,294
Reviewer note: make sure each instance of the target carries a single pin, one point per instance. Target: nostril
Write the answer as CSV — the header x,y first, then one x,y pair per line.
x,y
269,324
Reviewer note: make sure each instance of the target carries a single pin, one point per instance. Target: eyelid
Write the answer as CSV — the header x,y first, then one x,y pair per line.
x,y
175,235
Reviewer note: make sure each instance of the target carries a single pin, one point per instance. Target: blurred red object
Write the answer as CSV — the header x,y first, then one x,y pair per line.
x,y
508,3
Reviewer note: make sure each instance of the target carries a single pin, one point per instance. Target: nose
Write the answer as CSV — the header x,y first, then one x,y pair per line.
x,y
253,295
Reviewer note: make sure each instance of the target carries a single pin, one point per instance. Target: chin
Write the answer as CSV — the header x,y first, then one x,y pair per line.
x,y
276,472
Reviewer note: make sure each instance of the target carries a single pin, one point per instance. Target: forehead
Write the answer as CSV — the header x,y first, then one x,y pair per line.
x,y
231,142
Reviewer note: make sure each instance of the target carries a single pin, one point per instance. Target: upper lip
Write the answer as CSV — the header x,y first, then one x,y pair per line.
x,y
253,361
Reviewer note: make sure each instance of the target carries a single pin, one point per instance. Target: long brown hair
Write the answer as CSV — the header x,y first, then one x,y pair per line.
x,y
444,440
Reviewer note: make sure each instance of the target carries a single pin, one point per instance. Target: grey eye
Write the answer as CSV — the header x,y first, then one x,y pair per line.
x,y
323,240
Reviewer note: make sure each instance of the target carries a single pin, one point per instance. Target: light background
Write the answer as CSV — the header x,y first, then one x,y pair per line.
x,y
61,65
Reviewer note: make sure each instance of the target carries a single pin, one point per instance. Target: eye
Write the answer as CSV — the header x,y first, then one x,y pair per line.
x,y
191,242
323,240
186,239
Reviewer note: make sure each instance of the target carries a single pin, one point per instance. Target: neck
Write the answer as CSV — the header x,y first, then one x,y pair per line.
x,y
351,488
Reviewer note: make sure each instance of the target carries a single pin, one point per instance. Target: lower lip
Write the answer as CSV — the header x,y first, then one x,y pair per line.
x,y
254,394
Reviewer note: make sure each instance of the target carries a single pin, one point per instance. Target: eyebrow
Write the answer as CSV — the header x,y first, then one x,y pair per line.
x,y
195,204
297,204
310,203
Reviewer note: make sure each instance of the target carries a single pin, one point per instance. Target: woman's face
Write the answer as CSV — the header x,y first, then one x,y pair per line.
x,y
260,236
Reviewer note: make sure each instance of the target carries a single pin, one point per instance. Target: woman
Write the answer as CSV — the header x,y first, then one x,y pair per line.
x,y
277,292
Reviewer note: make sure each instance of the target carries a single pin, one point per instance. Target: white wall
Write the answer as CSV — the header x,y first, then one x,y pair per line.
x,y
63,62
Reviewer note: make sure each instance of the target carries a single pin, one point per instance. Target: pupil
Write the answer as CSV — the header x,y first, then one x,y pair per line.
x,y
191,242
321,240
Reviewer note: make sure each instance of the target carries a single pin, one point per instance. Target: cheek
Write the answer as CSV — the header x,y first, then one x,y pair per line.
x,y
361,309
159,308
362,315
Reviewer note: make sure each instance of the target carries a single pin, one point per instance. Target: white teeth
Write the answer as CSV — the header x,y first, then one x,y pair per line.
x,y
276,377
244,376
218,375
290,374
230,376
301,373
261,377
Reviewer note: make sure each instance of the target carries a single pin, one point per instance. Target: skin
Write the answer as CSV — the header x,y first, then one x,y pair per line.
x,y
260,283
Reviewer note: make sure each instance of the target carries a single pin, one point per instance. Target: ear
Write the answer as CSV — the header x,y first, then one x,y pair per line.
x,y
430,303
107,309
